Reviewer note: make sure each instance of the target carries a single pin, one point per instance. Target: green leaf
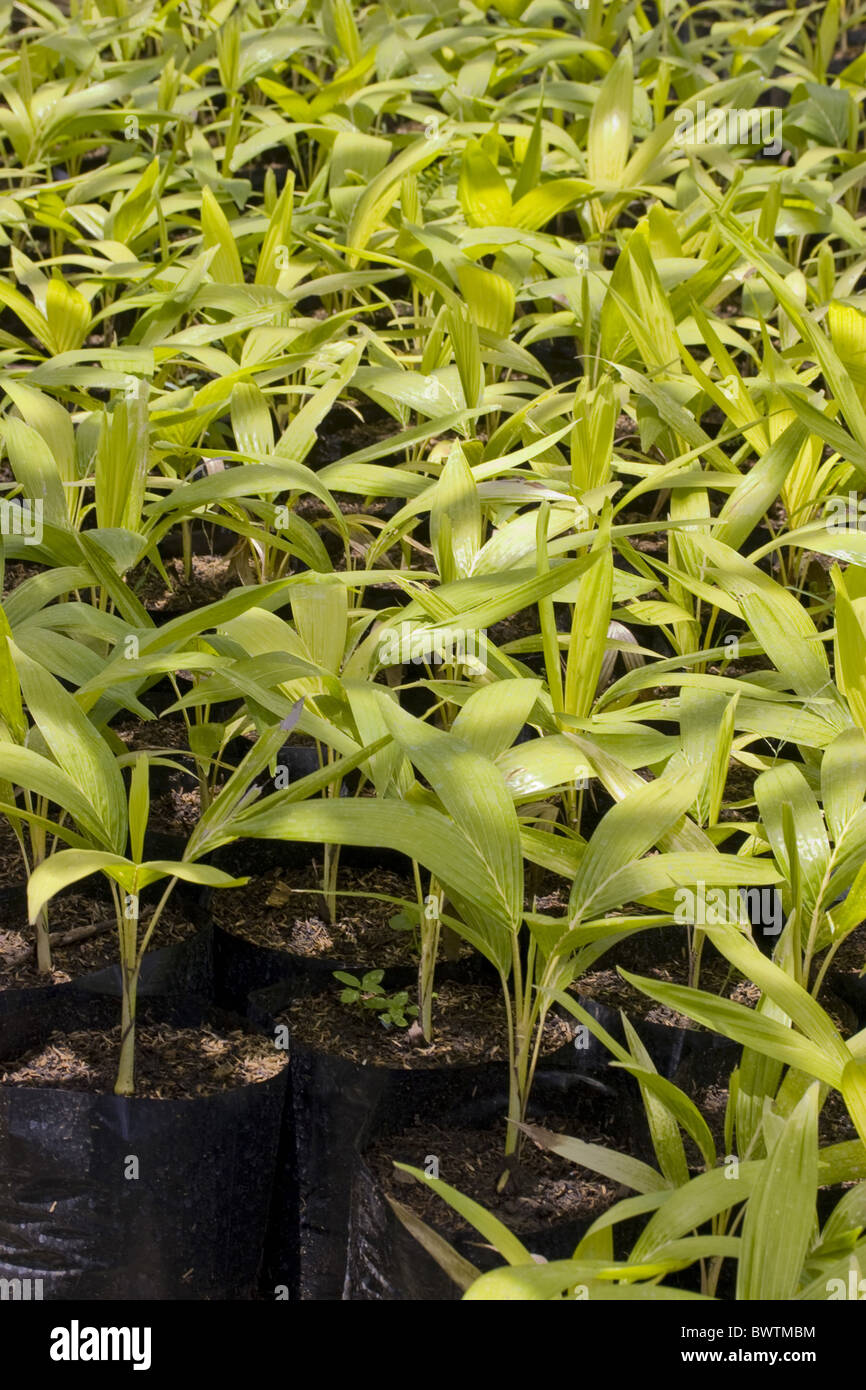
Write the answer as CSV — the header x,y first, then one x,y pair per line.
x,y
853,1089
609,138
251,420
225,267
494,715
139,805
80,751
620,1168
780,1215
68,316
786,785
417,831
753,497
489,296
135,207
473,792
628,830
743,1026
843,779
684,1111
22,767
850,646
69,866
493,1231
35,468
664,1131
459,1269
481,190
589,627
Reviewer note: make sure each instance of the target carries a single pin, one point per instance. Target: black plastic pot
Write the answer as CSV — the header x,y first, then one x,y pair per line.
x,y
296,760
337,1106
851,989
167,779
181,969
12,1001
385,1262
668,1046
244,971
241,968
300,760
184,968
656,946
190,1226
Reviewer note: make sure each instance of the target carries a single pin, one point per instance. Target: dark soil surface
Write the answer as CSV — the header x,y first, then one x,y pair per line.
x,y
17,963
284,910
170,1063
169,733
469,1026
609,988
209,580
546,1188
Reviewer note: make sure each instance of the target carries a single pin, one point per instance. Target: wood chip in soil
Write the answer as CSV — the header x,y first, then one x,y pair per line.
x,y
170,1063
469,1026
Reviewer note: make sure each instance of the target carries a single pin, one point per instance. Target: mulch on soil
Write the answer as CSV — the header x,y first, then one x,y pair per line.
x,y
468,1027
170,1063
285,910
545,1189
17,962
609,988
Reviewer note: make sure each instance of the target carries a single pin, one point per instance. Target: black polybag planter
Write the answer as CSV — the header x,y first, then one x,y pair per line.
x,y
13,903
298,855
851,989
242,968
656,945
243,971
336,1107
13,1001
183,968
668,1046
190,1226
385,1262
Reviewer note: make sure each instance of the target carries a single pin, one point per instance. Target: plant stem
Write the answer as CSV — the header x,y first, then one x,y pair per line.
x,y
131,954
430,929
43,944
514,1009
129,970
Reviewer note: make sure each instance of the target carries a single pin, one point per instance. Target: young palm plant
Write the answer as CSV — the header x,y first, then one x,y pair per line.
x,y
74,770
